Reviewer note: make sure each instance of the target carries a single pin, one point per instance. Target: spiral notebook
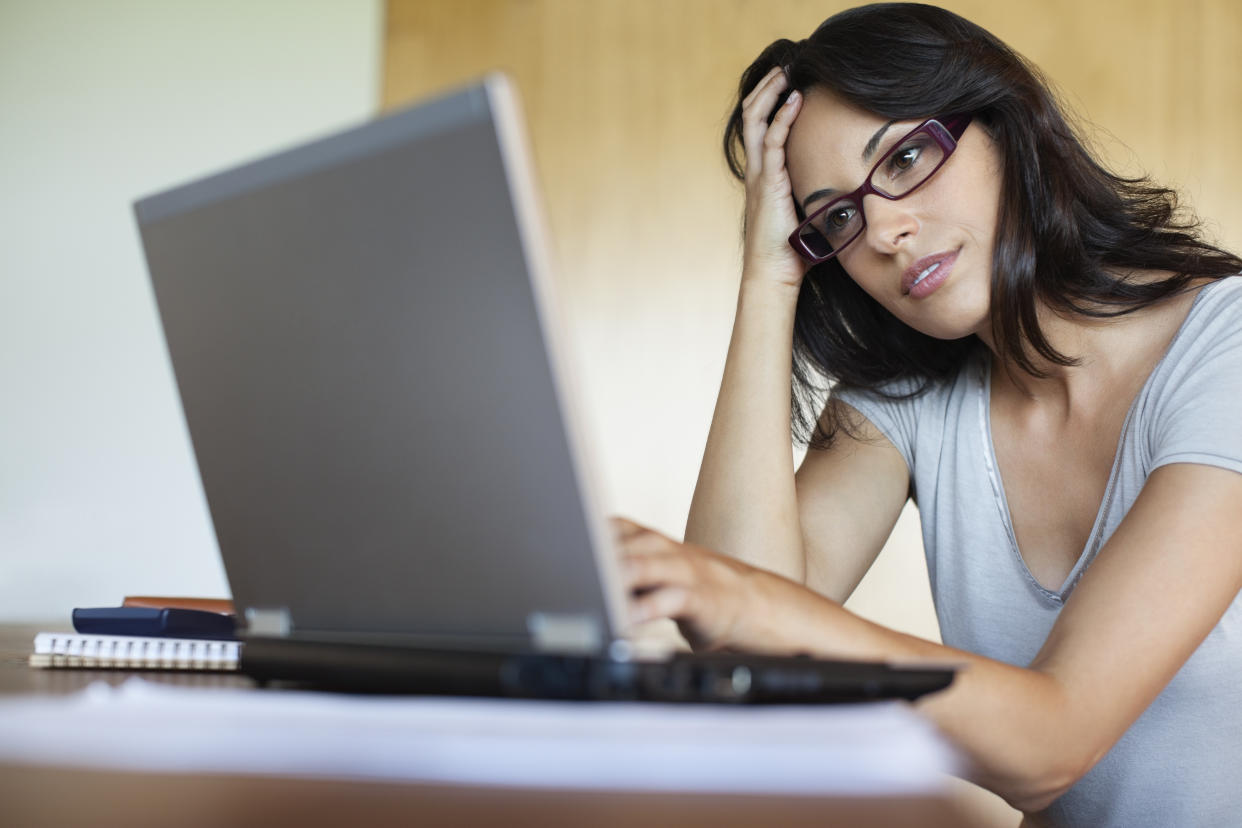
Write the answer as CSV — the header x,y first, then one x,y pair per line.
x,y
76,650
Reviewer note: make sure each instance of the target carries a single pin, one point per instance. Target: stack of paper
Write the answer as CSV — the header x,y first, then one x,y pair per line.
x,y
874,749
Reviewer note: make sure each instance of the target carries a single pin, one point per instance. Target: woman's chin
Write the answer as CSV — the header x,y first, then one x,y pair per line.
x,y
949,330
950,322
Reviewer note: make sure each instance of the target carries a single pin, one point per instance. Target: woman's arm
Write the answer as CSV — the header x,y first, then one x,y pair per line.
x,y
746,503
849,498
1151,596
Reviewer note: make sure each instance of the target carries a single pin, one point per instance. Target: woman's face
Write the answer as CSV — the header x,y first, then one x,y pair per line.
x,y
950,221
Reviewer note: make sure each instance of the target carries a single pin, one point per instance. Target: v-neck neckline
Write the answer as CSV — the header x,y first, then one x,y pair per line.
x,y
1095,536
1092,545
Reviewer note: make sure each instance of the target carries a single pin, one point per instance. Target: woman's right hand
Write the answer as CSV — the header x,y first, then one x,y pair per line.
x,y
770,215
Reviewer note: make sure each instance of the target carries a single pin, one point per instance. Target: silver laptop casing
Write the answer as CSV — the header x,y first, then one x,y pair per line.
x,y
371,366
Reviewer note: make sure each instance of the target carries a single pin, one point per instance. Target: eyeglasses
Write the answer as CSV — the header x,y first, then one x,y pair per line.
x,y
902,170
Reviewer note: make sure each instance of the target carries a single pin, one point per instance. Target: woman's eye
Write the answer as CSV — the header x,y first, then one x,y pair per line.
x,y
839,218
904,158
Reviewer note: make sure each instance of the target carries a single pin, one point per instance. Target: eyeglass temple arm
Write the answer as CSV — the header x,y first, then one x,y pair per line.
x,y
956,124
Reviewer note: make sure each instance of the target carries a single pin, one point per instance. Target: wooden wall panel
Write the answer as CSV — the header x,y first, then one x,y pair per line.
x,y
626,99
625,102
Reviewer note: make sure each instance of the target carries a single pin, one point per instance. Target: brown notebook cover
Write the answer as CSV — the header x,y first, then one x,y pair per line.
x,y
220,605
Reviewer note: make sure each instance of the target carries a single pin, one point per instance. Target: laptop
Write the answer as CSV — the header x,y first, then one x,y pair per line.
x,y
368,350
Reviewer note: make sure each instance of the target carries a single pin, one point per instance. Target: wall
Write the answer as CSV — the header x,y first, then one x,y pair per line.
x,y
101,103
626,100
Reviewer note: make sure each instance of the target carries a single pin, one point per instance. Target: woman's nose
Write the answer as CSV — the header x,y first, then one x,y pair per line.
x,y
890,224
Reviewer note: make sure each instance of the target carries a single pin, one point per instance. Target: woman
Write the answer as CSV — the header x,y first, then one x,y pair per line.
x,y
1034,350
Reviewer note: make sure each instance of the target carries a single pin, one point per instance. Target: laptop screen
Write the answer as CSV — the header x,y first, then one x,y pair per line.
x,y
364,341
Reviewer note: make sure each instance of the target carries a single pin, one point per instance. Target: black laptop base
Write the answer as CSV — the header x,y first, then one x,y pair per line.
x,y
733,679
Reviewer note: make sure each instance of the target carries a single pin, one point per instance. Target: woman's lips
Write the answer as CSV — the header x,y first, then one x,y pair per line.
x,y
928,273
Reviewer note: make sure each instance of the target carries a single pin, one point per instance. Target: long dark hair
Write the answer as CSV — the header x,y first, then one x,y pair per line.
x,y
1065,221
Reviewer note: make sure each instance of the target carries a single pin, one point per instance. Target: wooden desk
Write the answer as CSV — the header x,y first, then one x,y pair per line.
x,y
35,796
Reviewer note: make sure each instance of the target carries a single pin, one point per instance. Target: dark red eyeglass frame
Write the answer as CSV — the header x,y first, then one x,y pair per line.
x,y
946,132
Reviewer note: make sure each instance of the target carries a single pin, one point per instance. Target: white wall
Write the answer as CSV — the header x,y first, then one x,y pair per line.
x,y
100,103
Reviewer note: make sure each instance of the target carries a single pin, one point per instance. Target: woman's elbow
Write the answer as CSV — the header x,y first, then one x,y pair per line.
x,y
1041,786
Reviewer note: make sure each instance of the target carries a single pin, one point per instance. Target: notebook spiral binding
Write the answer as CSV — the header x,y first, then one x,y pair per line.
x,y
75,650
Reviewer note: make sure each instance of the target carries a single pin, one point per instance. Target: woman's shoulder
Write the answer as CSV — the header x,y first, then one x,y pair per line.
x,y
1205,338
1222,291
911,410
916,414
1189,407
1214,319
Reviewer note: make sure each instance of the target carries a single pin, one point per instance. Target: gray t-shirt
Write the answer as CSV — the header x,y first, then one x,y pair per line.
x,y
1180,763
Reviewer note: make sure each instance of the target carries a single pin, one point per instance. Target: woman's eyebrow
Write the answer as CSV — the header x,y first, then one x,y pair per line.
x,y
828,192
874,143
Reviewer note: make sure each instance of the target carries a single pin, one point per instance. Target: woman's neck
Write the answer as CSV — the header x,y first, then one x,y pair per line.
x,y
1110,355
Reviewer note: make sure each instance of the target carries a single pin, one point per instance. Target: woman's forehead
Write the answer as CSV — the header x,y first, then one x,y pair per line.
x,y
833,127
833,143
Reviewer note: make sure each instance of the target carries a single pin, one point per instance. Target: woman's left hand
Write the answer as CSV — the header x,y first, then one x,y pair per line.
x,y
718,602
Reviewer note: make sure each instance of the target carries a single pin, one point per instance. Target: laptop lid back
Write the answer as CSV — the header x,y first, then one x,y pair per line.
x,y
365,342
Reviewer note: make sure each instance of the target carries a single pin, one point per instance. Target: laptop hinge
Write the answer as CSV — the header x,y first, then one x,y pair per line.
x,y
269,622
565,632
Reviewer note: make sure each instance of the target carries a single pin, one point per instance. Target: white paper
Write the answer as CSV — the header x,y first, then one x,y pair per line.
x,y
871,749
